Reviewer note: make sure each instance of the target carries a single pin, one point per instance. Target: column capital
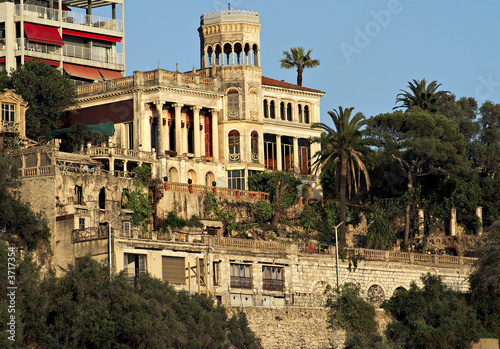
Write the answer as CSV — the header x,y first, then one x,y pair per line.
x,y
178,105
196,108
214,111
159,103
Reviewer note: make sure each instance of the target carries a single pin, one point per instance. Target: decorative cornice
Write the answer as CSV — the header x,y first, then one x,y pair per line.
x,y
291,90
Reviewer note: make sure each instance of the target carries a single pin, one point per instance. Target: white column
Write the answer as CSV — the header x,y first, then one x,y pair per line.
x,y
202,137
479,214
178,129
278,153
215,134
161,131
232,55
196,121
296,155
453,222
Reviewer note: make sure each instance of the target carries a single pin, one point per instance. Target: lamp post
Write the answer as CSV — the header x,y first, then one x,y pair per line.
x,y
124,212
337,250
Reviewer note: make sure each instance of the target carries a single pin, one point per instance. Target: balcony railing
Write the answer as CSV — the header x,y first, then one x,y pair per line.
x,y
40,12
273,285
10,126
241,282
92,54
104,152
134,272
38,47
88,234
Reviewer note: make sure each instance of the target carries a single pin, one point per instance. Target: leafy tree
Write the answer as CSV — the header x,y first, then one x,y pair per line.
x,y
142,176
138,202
379,235
422,144
485,284
80,134
282,189
422,95
297,58
431,317
19,225
48,92
345,146
263,211
353,314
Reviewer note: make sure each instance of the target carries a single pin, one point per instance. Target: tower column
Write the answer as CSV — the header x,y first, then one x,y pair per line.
x,y
178,130
161,131
232,54
296,164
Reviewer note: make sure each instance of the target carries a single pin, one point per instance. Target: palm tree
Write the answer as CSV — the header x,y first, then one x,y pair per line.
x,y
344,148
421,95
297,59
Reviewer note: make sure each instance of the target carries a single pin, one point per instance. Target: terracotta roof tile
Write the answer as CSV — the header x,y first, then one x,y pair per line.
x,y
274,82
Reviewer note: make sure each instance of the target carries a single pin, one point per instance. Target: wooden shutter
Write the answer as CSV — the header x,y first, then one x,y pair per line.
x,y
173,269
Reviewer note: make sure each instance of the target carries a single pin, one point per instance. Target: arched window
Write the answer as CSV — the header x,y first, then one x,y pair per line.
x,y
266,111
289,111
282,111
306,114
234,146
272,112
209,179
254,109
299,110
254,146
102,199
192,176
173,175
233,104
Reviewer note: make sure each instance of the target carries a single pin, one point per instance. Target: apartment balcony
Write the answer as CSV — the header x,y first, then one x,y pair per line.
x,y
9,126
241,282
92,54
44,13
272,285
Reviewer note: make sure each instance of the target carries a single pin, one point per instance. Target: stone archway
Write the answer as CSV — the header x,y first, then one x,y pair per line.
x,y
209,179
375,295
192,176
173,175
307,192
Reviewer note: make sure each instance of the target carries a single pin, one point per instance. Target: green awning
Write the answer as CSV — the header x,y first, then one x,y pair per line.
x,y
107,129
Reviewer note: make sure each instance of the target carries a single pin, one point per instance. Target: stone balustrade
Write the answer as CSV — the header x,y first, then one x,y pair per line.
x,y
220,192
100,152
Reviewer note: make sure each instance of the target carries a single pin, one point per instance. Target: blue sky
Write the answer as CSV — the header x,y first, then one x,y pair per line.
x,y
369,49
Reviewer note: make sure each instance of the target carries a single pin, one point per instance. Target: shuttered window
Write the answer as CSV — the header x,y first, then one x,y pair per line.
x,y
173,269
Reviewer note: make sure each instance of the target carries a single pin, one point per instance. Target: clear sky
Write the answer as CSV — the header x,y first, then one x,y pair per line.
x,y
368,49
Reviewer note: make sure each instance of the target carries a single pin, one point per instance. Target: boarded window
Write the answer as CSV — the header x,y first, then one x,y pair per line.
x,y
233,105
173,269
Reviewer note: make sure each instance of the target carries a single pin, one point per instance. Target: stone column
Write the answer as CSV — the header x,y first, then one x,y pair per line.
x,y
202,137
421,225
196,121
178,130
215,134
453,222
278,153
232,55
161,131
125,167
296,165
479,214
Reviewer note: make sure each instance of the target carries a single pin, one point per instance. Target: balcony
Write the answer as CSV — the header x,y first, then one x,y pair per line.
x,y
9,126
38,47
241,282
273,285
120,153
92,54
89,234
135,272
45,13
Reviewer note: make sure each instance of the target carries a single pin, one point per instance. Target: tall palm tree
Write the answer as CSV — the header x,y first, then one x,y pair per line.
x,y
297,59
421,95
344,147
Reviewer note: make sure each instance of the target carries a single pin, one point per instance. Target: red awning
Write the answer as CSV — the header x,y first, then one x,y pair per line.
x,y
83,72
2,60
42,60
110,74
41,33
91,35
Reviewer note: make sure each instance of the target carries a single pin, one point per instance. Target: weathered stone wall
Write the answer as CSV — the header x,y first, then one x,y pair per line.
x,y
280,328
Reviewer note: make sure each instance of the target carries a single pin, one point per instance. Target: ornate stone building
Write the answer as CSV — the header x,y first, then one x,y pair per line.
x,y
220,123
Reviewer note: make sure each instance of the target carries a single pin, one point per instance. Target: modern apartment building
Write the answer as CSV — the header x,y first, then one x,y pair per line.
x,y
67,34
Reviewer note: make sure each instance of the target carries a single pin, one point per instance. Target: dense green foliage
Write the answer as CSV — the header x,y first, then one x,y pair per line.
x,y
353,314
138,202
282,189
48,92
263,211
85,309
433,316
379,235
142,176
485,285
19,225
175,222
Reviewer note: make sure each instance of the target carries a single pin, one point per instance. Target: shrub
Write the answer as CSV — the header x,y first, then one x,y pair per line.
x,y
263,211
379,235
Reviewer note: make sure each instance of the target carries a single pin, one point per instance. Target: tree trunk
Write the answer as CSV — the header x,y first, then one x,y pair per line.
x,y
343,188
299,76
406,235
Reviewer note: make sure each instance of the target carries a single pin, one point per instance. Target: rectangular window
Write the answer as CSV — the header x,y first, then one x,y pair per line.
x,y
127,229
270,152
304,159
216,271
8,112
78,195
240,276
173,269
287,157
135,264
233,104
81,223
236,179
273,278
